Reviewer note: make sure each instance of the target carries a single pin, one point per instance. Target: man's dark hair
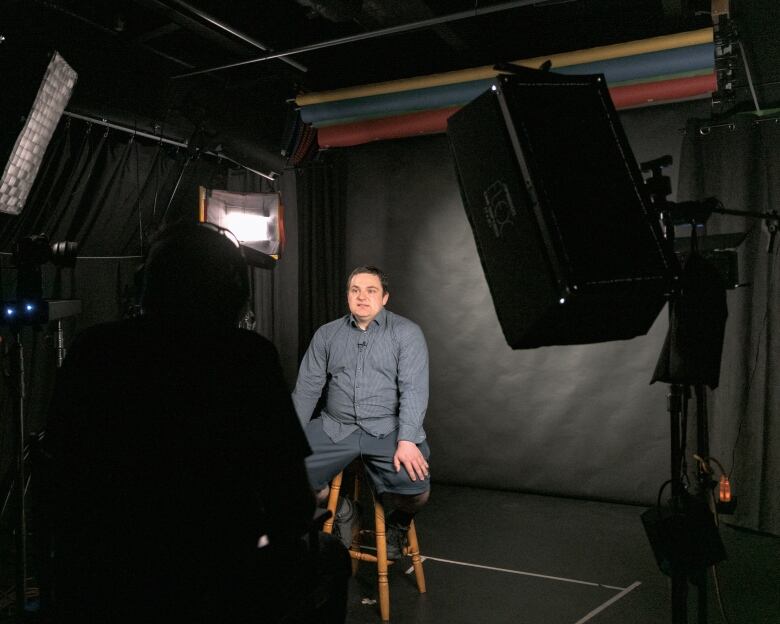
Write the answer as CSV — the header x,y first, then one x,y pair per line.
x,y
373,271
194,271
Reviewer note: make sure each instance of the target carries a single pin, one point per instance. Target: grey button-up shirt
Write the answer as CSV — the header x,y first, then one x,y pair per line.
x,y
377,379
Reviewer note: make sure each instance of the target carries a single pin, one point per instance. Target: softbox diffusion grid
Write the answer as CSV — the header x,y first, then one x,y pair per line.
x,y
27,154
572,250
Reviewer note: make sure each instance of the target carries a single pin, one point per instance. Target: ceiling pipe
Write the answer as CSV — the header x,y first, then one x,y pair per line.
x,y
392,30
236,33
60,9
271,175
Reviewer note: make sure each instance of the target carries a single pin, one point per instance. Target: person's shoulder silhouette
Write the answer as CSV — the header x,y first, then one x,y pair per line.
x,y
176,448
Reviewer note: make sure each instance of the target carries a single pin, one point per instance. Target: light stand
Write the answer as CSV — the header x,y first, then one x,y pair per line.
x,y
659,188
20,483
31,310
692,543
58,310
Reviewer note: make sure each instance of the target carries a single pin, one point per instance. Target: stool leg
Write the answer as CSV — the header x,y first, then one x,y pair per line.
x,y
354,548
381,561
414,553
333,502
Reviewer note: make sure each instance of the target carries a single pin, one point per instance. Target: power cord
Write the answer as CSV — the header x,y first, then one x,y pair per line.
x,y
715,577
704,466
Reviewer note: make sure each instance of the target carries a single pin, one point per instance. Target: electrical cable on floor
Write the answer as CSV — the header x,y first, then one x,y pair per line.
x,y
718,596
704,466
715,579
661,491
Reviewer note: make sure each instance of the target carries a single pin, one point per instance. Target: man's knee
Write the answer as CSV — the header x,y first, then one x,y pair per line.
x,y
409,503
421,499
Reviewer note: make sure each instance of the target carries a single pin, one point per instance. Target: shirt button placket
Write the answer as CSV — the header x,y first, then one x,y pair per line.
x,y
359,371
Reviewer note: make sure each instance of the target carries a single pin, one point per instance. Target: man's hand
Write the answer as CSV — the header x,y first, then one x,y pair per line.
x,y
409,456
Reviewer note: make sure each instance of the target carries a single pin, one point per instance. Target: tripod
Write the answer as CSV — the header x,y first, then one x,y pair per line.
x,y
57,310
691,357
682,366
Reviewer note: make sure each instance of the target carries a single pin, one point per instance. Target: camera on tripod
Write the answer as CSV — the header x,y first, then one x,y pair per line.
x,y
29,255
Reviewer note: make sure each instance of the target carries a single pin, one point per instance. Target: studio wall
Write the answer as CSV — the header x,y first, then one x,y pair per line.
x,y
577,421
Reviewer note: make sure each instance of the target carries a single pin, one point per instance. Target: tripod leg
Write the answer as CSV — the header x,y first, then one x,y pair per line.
x,y
21,476
679,578
679,597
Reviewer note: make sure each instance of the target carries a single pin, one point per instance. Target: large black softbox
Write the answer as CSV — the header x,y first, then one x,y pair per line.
x,y
571,248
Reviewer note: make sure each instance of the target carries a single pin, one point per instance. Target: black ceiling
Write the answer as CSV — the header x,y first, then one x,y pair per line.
x,y
128,52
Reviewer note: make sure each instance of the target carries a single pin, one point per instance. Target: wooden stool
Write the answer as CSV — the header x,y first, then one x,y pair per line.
x,y
412,550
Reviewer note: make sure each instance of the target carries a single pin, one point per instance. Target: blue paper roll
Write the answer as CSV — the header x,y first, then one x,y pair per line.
x,y
636,67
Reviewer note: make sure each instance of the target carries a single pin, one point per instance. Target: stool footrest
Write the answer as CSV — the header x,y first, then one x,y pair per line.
x,y
361,556
412,549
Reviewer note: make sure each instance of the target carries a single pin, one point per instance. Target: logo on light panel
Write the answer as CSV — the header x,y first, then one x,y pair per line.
x,y
499,209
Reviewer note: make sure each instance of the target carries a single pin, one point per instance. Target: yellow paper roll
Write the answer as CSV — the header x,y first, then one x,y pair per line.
x,y
590,55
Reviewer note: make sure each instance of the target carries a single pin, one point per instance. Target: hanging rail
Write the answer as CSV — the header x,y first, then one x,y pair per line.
x,y
271,175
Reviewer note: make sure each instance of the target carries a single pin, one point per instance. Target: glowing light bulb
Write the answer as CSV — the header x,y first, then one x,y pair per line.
x,y
724,489
248,227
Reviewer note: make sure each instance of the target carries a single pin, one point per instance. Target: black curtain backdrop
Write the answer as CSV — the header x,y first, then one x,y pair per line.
x,y
740,165
263,280
577,421
104,189
321,245
274,291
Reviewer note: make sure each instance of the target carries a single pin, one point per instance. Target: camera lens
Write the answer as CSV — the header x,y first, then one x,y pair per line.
x,y
63,253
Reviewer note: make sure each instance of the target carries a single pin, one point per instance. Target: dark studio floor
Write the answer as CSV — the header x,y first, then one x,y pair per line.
x,y
499,557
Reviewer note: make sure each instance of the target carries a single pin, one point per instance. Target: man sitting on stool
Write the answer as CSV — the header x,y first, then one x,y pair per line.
x,y
373,366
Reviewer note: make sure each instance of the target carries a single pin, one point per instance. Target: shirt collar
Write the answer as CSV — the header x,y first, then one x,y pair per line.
x,y
379,319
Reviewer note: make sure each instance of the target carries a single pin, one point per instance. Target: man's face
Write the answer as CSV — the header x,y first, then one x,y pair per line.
x,y
366,297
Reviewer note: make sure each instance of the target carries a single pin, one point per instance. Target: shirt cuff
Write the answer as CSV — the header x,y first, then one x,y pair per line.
x,y
408,432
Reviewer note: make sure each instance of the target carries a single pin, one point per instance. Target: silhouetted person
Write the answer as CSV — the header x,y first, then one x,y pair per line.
x,y
176,453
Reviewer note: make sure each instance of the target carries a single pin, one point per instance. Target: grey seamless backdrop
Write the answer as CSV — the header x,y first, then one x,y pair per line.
x,y
577,421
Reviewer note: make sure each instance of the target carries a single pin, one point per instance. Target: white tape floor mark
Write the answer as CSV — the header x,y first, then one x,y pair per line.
x,y
533,574
609,602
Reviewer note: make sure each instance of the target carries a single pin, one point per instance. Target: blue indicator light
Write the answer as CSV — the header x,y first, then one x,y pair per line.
x,y
9,311
29,307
